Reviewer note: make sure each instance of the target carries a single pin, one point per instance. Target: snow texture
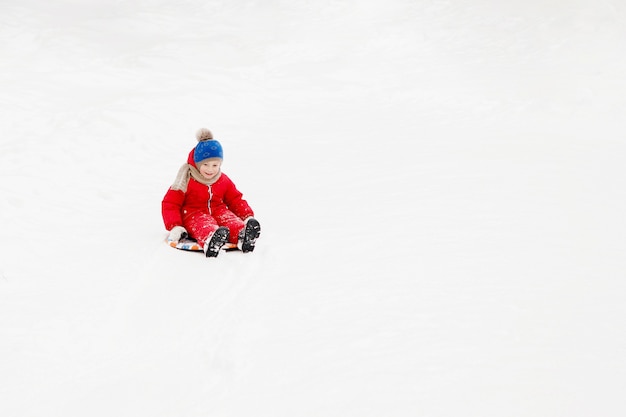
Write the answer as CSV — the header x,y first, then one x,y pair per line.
x,y
441,186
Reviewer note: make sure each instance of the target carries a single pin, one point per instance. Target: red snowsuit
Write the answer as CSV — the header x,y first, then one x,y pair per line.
x,y
203,208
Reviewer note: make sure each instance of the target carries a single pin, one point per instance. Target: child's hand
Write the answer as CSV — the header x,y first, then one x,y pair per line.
x,y
177,233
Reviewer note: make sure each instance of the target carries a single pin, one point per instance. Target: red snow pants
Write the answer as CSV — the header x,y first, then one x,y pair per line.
x,y
201,225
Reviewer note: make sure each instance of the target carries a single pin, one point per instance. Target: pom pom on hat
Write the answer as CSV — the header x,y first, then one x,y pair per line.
x,y
204,134
207,147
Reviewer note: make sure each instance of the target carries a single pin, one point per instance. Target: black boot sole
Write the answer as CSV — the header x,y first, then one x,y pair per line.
x,y
219,238
252,232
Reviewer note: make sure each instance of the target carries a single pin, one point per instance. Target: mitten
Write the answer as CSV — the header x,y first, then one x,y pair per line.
x,y
177,233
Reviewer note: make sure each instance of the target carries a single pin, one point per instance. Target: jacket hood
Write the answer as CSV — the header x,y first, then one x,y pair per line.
x,y
190,160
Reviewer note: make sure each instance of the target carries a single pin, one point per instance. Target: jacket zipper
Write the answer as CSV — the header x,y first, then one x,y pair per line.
x,y
210,198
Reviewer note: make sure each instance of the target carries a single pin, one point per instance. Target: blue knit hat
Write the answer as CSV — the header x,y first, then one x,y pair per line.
x,y
207,147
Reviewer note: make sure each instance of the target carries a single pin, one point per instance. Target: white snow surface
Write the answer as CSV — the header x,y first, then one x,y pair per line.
x,y
440,184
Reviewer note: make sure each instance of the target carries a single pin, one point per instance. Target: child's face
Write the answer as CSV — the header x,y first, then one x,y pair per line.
x,y
210,168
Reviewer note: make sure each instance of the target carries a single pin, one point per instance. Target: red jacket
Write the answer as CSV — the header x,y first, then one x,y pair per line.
x,y
212,199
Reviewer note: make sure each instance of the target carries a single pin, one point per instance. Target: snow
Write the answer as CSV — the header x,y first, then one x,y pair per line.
x,y
440,186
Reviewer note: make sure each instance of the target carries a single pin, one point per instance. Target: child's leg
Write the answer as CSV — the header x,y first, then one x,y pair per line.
x,y
242,234
200,226
232,222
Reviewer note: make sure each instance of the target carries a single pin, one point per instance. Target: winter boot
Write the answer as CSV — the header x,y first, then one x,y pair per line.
x,y
248,235
212,246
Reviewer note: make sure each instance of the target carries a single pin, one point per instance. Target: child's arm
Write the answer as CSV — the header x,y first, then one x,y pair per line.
x,y
235,202
171,208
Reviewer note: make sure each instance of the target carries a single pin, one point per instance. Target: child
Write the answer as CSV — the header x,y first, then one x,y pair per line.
x,y
204,203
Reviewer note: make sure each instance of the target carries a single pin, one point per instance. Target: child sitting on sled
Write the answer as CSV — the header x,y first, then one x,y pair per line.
x,y
204,204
